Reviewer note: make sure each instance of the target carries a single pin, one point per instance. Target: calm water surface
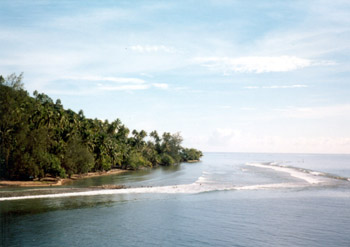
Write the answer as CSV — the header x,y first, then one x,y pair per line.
x,y
228,199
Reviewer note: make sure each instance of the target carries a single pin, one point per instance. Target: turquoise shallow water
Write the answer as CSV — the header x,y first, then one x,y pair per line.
x,y
228,199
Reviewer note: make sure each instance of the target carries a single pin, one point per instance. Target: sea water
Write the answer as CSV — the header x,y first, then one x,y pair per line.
x,y
227,199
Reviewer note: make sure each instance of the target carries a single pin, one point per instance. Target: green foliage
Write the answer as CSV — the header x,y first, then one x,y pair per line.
x,y
151,154
77,158
52,165
190,154
38,137
166,160
136,160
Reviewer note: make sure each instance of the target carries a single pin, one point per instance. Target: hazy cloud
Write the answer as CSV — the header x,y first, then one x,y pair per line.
x,y
255,64
285,86
315,112
108,79
247,108
278,86
123,87
152,48
223,136
225,107
247,142
160,85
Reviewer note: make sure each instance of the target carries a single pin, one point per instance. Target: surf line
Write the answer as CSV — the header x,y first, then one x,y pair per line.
x,y
171,189
293,172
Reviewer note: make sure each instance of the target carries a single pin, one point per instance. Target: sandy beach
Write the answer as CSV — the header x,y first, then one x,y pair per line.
x,y
49,181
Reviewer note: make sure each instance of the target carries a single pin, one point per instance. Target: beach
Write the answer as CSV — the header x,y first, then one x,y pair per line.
x,y
50,181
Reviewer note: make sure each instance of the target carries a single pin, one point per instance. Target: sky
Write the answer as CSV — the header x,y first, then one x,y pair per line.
x,y
230,76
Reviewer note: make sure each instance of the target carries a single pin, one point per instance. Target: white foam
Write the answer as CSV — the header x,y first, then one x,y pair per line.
x,y
317,173
203,184
172,189
193,188
310,178
268,186
201,179
204,179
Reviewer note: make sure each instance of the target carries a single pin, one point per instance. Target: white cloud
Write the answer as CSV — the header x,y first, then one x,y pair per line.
x,y
123,87
160,85
225,107
278,86
104,83
100,88
315,112
286,86
91,20
229,140
181,88
257,64
223,136
108,79
146,75
247,109
152,48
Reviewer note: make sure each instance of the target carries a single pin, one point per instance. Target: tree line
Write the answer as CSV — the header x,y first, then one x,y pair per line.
x,y
38,137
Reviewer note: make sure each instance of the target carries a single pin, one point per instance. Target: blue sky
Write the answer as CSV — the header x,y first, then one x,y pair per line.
x,y
240,76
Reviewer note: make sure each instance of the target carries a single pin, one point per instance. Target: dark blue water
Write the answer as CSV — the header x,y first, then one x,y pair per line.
x,y
221,201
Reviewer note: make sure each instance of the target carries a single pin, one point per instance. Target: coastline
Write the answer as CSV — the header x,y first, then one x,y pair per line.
x,y
48,181
192,161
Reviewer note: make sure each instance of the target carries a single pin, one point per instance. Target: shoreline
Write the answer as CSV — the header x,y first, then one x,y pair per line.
x,y
49,181
192,161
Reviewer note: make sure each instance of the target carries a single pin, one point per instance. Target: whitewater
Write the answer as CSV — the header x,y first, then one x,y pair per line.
x,y
205,184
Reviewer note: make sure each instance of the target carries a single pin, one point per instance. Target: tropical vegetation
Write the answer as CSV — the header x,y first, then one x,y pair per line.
x,y
38,137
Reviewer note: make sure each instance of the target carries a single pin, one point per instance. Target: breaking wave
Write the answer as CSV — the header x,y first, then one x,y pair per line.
x,y
310,176
205,184
193,188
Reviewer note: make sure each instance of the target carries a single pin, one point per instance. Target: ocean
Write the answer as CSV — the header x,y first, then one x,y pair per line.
x,y
227,199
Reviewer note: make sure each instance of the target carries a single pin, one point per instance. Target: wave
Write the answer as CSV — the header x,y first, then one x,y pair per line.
x,y
269,186
203,184
310,176
194,188
173,189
